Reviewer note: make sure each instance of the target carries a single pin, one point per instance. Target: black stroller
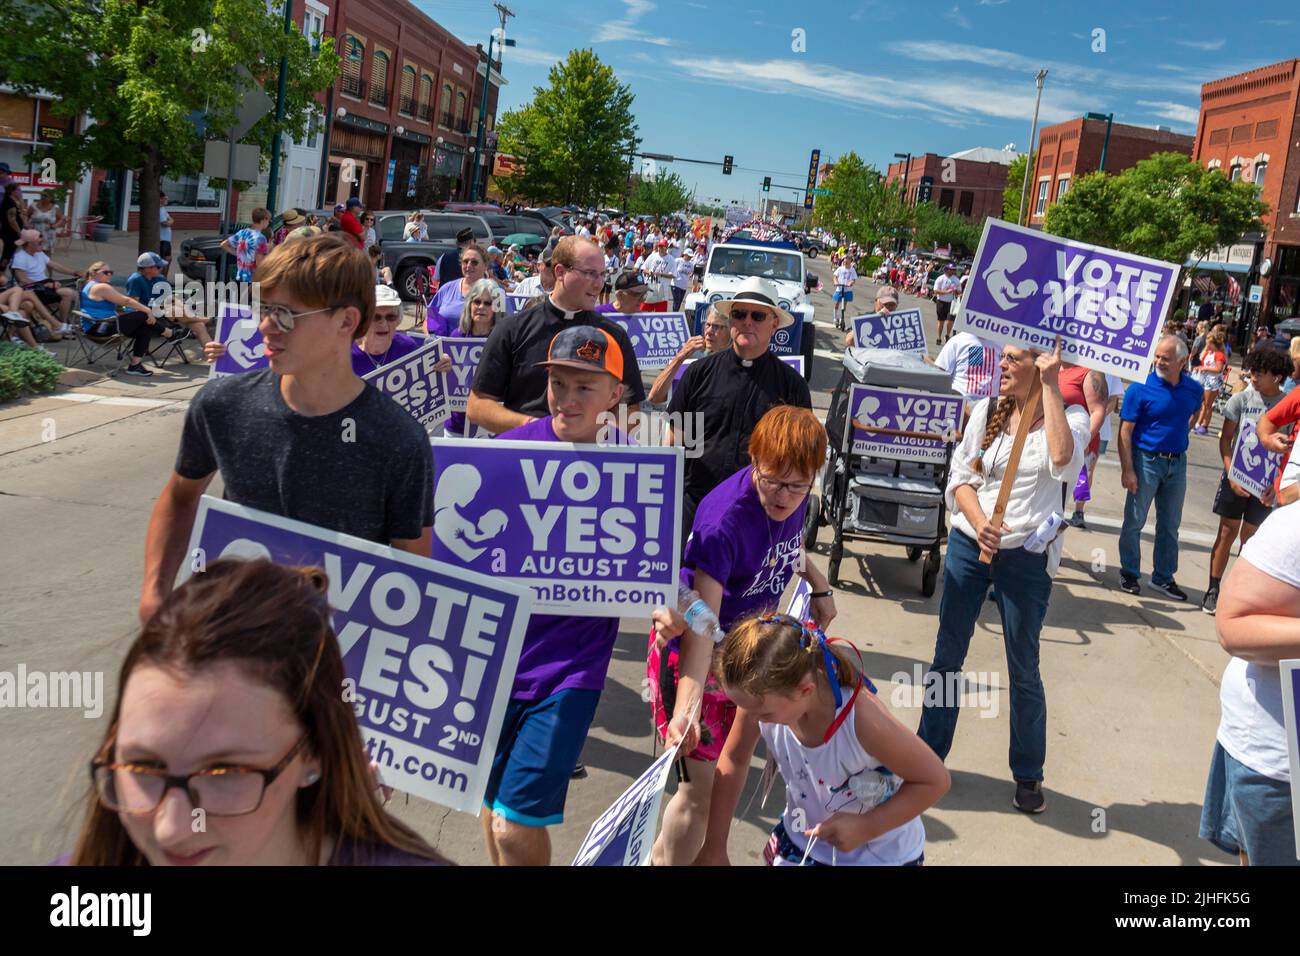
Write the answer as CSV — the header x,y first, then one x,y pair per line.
x,y
874,498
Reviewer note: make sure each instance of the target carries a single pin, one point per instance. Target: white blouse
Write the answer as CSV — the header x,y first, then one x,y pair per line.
x,y
1036,491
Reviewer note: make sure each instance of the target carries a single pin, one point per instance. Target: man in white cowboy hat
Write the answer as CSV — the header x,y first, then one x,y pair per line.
x,y
731,390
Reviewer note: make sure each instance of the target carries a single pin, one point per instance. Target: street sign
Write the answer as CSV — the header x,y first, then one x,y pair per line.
x,y
215,156
253,105
821,192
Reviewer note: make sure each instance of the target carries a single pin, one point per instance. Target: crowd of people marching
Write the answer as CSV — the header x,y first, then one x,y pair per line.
x,y
233,680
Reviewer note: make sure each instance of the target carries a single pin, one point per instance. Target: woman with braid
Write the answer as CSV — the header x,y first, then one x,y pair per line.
x,y
1021,568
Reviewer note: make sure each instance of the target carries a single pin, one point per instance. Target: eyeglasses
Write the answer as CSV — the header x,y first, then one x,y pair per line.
x,y
487,302
591,275
753,315
714,327
218,791
471,262
384,317
283,317
771,485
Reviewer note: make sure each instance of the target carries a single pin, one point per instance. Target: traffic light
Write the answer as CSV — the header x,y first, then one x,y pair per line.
x,y
767,183
726,165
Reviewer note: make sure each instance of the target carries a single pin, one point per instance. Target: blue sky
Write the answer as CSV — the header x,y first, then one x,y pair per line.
x,y
877,77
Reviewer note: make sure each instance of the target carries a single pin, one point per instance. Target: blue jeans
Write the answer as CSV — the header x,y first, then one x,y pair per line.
x,y
1163,480
1021,589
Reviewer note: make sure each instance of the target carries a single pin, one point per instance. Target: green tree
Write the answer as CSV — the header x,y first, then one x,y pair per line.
x,y
1168,207
576,133
1015,182
664,194
942,227
140,69
861,207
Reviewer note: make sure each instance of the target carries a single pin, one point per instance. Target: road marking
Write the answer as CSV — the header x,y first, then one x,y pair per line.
x,y
1195,537
115,400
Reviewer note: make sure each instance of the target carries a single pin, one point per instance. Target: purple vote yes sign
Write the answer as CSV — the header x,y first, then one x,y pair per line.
x,y
1253,466
656,336
429,649
412,383
594,530
237,331
904,410
1108,307
465,354
902,331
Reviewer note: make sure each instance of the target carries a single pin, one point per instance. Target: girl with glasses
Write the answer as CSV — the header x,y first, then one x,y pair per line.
x,y
449,302
746,543
229,703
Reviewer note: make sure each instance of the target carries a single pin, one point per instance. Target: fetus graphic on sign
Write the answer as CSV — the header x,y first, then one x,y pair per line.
x,y
868,408
1007,293
458,485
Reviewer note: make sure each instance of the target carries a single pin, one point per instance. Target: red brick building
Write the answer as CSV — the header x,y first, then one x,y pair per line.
x,y
1072,149
969,183
1248,128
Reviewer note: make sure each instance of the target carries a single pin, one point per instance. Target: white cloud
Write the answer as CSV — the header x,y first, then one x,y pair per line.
x,y
942,51
624,29
954,100
1202,44
991,3
957,17
532,57
1174,112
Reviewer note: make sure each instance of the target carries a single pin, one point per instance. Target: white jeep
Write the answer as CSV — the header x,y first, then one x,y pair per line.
x,y
731,263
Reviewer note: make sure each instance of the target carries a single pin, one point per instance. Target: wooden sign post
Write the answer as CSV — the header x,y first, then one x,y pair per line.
x,y
1027,416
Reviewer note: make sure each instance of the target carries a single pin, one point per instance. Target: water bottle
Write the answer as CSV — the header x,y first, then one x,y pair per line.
x,y
699,616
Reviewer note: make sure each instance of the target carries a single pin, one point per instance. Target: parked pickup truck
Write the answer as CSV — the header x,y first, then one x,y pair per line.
x,y
410,261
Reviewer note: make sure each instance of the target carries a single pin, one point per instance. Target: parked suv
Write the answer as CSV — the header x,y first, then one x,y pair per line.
x,y
410,261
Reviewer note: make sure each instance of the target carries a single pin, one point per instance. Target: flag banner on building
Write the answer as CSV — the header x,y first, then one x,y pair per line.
x,y
901,331
1027,287
917,425
1253,466
594,530
429,649
412,383
656,337
237,331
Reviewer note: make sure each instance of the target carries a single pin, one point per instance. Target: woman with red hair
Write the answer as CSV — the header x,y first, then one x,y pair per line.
x,y
746,543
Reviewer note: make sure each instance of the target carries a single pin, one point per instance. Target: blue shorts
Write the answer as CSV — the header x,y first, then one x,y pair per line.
x,y
1247,812
541,741
845,294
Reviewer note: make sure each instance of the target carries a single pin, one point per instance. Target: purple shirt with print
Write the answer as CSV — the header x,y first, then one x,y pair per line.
x,y
734,541
364,363
560,652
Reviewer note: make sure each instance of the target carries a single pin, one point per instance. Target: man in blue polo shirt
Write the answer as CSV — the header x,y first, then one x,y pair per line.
x,y
1153,454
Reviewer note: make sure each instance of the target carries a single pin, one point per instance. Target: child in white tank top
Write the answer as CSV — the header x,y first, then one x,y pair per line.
x,y
856,779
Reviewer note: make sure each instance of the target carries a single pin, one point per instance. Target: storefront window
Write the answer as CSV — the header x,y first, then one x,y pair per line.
x,y
191,192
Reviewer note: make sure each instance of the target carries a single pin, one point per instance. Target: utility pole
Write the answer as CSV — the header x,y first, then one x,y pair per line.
x,y
279,113
1033,136
504,11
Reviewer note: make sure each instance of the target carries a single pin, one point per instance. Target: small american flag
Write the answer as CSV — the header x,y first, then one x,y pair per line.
x,y
1234,290
981,370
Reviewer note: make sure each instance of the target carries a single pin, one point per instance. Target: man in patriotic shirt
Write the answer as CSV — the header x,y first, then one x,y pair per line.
x,y
973,364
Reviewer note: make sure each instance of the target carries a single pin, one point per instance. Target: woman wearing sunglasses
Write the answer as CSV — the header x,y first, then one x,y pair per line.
x,y
449,301
484,307
100,303
231,744
746,544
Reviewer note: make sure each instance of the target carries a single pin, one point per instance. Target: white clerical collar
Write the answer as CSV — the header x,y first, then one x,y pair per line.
x,y
565,312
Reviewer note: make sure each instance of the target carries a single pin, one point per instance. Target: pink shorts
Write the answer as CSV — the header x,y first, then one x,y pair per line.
x,y
717,712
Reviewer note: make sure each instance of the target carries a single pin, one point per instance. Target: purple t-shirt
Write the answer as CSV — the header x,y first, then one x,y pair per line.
x,y
560,652
364,364
734,542
445,308
605,307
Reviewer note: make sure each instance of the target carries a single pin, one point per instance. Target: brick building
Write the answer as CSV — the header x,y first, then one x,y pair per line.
x,y
1072,149
969,183
1248,128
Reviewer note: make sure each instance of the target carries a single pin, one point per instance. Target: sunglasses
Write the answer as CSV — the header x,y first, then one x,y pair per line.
x,y
106,272
471,262
754,315
487,302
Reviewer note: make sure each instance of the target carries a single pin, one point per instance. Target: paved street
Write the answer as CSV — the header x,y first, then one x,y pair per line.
x,y
1132,682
